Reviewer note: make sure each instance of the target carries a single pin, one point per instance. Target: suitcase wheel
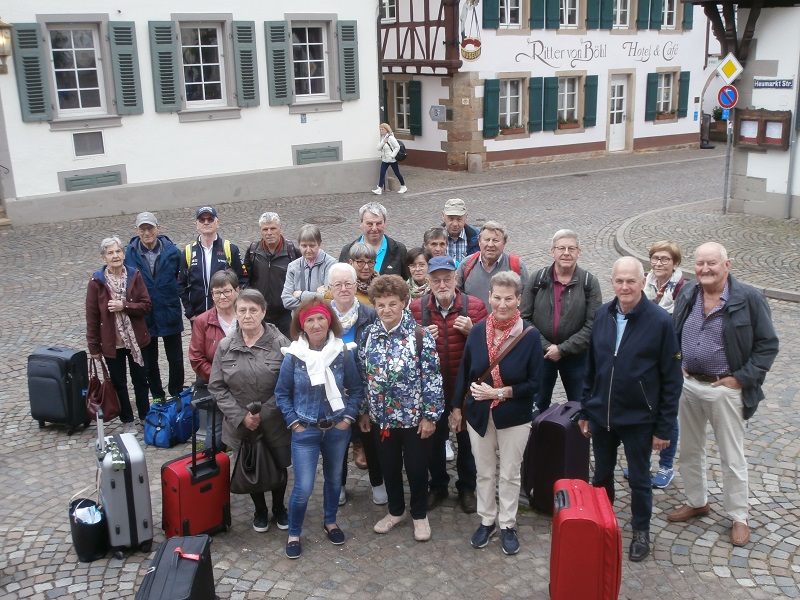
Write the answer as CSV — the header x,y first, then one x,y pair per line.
x,y
70,431
41,424
145,547
119,554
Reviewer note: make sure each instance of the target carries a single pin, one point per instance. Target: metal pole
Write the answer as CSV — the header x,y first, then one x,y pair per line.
x,y
729,130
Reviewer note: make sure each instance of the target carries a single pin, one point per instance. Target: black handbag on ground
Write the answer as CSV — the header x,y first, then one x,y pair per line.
x,y
255,470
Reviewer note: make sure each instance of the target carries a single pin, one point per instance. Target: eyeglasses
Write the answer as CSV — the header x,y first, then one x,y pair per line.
x,y
222,293
563,249
437,281
347,285
416,266
660,260
207,220
363,263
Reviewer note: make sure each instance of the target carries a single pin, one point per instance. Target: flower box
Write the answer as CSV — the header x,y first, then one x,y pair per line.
x,y
569,125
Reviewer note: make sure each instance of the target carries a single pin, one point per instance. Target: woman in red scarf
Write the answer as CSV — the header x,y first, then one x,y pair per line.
x,y
498,382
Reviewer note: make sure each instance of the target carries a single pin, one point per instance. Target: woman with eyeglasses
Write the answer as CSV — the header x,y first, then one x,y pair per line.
x,y
417,263
362,259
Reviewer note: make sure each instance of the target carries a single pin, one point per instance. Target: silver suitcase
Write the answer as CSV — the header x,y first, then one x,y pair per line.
x,y
124,491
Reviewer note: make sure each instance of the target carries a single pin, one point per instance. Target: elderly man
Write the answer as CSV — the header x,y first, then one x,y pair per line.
x,y
475,271
390,254
630,396
208,254
462,239
159,262
560,302
449,315
728,344
266,262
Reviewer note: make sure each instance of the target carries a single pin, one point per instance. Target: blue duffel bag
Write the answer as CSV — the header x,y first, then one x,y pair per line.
x,y
186,418
159,423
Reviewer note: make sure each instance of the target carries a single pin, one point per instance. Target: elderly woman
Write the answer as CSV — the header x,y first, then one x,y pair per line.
x,y
116,303
245,370
434,240
417,263
208,330
404,400
362,259
354,318
306,276
319,392
499,377
663,284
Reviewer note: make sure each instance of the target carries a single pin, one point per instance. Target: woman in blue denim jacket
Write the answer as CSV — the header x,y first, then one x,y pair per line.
x,y
319,391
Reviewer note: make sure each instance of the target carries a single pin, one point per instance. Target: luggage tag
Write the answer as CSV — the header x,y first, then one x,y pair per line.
x,y
181,554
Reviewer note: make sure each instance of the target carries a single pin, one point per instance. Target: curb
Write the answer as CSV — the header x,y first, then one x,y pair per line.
x,y
624,249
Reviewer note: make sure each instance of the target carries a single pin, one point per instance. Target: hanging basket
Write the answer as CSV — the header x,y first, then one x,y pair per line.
x,y
470,48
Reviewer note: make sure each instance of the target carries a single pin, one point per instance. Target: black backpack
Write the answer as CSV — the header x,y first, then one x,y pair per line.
x,y
401,154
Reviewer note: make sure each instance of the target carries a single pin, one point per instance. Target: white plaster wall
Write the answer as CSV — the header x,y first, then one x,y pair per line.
x,y
156,146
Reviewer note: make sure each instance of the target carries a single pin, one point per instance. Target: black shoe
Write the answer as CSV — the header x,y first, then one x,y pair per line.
x,y
261,522
335,535
293,549
281,519
640,546
468,502
482,535
435,498
508,541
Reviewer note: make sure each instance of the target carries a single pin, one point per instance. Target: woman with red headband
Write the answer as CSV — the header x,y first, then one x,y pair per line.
x,y
319,392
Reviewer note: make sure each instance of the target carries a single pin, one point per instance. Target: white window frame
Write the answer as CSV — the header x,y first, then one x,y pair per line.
x,y
99,49
568,99
388,11
669,13
622,7
507,10
326,77
400,99
509,117
222,58
665,92
568,14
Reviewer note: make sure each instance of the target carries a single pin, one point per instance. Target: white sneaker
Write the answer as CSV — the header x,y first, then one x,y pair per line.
x,y
379,495
403,189
342,497
377,191
449,453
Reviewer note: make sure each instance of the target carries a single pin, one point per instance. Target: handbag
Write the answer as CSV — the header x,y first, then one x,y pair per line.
x,y
101,394
255,470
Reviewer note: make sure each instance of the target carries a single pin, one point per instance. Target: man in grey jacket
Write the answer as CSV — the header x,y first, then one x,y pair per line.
x,y
561,301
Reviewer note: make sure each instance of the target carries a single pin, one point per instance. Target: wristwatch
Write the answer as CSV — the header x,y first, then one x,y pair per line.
x,y
500,394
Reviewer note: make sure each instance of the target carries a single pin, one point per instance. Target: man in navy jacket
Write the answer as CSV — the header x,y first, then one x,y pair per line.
x,y
158,260
630,396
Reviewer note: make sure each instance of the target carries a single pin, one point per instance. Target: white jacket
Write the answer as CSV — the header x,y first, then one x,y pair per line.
x,y
389,147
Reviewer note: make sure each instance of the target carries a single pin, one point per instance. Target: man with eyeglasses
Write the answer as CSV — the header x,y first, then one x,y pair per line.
x,y
449,315
561,302
390,255
205,256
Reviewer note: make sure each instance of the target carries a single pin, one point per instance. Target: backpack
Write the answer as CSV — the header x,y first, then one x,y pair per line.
x,y
401,153
226,246
469,263
537,285
291,251
426,313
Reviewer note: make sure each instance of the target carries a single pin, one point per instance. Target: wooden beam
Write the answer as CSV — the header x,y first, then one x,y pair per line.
x,y
749,30
729,14
712,12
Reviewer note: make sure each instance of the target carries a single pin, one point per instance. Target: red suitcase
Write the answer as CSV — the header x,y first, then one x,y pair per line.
x,y
196,491
586,546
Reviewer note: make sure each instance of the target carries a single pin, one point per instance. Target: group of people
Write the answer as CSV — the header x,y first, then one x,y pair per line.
x,y
393,350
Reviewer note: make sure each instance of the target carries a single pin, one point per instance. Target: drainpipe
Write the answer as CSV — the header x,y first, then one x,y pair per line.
x,y
793,147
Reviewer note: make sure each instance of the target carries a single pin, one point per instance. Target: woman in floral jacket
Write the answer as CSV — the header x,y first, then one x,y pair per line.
x,y
403,402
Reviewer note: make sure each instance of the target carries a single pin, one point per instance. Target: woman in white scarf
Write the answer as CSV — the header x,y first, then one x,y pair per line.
x,y
319,392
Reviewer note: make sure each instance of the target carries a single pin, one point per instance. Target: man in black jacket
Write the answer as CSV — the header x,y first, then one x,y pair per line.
x,y
633,382
390,256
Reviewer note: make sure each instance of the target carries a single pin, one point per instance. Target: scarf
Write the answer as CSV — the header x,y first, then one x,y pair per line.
x,y
494,347
363,286
318,365
116,286
417,291
663,296
349,318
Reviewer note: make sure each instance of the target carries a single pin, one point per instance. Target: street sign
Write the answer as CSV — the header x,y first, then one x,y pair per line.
x,y
730,68
726,114
728,96
438,113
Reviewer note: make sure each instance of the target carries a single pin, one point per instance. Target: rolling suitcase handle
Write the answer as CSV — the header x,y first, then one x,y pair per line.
x,y
100,445
560,500
209,404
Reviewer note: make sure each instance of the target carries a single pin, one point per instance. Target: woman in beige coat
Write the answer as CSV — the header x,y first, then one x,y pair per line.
x,y
245,370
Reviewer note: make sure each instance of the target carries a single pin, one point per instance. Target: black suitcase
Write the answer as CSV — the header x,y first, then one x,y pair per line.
x,y
180,570
57,383
556,450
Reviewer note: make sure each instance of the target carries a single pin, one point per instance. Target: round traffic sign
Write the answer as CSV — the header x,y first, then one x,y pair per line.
x,y
728,96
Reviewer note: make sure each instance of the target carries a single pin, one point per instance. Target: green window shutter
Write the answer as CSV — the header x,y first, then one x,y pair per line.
x,y
307,156
347,33
650,98
642,14
656,8
491,14
683,94
164,55
125,64
244,52
280,75
535,104
491,108
384,101
550,104
30,66
537,14
551,14
87,182
415,100
607,14
592,14
688,16
590,101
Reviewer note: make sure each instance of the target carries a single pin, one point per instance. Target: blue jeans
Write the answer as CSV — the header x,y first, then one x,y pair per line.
x,y
306,448
666,457
637,441
385,167
572,369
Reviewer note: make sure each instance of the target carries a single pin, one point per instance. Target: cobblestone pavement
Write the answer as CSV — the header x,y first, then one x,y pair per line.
x,y
44,273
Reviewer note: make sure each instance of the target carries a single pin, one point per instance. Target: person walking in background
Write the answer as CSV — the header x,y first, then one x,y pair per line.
x,y
389,147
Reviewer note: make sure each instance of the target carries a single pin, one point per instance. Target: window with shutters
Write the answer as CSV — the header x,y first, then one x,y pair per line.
x,y
510,14
388,11
309,52
668,18
568,14
511,104
622,14
202,56
567,100
402,107
76,70
664,94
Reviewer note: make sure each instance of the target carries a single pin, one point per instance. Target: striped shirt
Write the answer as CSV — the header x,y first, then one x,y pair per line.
x,y
457,247
702,344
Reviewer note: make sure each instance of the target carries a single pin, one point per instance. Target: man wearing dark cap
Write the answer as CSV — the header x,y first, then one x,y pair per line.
x,y
462,239
208,254
159,262
449,315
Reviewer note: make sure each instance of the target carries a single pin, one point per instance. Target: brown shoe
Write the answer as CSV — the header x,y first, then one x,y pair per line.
x,y
686,512
359,457
740,534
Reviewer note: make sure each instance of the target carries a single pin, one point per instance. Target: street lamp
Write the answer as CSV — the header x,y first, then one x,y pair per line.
x,y
5,46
